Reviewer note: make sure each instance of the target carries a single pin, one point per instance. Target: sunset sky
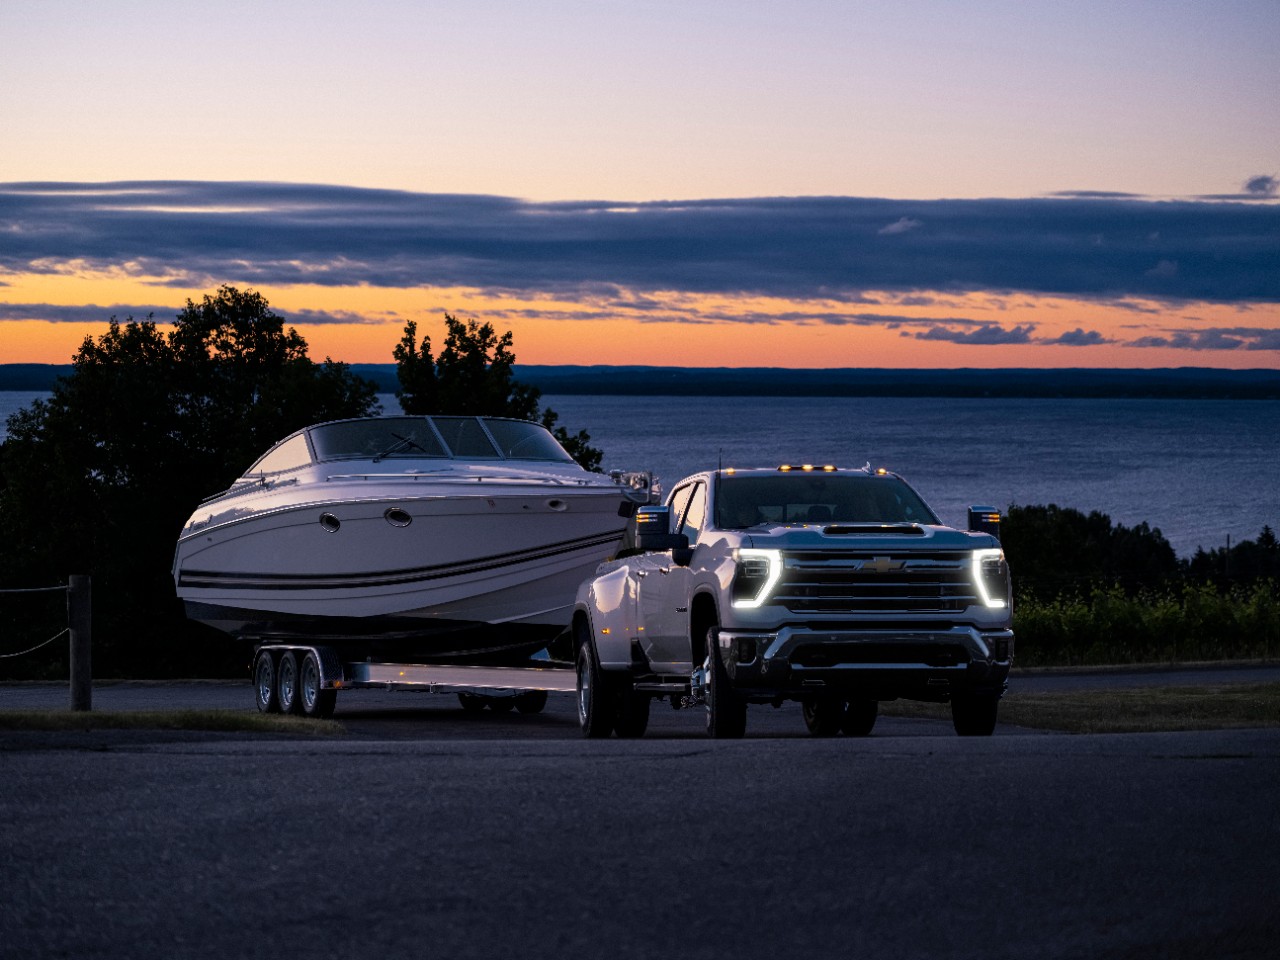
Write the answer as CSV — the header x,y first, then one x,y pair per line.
x,y
815,183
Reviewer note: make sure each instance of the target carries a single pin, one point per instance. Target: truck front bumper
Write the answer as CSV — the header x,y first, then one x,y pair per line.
x,y
881,664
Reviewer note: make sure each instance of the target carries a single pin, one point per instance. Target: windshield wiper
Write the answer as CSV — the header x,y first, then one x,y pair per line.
x,y
401,444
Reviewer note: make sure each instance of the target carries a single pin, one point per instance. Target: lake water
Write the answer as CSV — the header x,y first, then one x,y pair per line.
x,y
1200,470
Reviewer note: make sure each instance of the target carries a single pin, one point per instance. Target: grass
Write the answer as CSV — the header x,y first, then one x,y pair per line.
x,y
1140,710
221,721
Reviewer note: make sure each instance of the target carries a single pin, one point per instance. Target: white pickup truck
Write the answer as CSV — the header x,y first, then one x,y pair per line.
x,y
837,588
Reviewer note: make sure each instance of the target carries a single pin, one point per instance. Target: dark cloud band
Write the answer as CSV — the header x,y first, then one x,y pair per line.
x,y
203,233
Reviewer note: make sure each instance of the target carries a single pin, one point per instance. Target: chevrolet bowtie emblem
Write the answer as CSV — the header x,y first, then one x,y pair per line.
x,y
881,565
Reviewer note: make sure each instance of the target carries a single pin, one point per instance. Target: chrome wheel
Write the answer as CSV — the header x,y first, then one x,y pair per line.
x,y
316,701
264,683
597,704
287,683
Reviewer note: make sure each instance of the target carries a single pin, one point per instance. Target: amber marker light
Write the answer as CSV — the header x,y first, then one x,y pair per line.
x,y
785,468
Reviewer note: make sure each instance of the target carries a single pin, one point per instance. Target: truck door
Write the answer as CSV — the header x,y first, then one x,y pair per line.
x,y
664,588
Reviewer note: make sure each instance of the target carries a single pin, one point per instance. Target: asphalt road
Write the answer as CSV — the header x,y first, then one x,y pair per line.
x,y
500,835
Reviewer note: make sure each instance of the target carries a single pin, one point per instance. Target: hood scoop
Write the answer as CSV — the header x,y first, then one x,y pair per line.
x,y
875,529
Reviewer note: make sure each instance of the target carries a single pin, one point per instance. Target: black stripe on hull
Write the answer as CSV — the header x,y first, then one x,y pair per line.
x,y
393,639
304,581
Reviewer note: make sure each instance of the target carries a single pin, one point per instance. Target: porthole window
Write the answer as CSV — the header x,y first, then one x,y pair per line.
x,y
397,517
558,505
330,522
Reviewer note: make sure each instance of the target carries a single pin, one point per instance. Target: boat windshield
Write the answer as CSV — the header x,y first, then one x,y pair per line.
x,y
413,438
520,440
744,501
381,438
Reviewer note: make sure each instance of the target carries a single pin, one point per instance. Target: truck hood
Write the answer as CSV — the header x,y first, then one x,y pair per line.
x,y
896,537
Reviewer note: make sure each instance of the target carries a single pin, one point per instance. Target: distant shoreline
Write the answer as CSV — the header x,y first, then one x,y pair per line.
x,y
1181,383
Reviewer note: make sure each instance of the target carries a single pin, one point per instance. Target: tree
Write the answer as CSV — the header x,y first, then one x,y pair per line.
x,y
100,478
474,376
1242,562
1054,549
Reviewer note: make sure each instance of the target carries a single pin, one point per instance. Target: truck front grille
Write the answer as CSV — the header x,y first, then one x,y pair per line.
x,y
868,582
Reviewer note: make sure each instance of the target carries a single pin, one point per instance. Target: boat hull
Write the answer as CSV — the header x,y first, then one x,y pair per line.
x,y
399,573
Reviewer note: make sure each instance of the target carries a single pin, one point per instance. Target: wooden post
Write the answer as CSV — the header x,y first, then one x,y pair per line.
x,y
80,622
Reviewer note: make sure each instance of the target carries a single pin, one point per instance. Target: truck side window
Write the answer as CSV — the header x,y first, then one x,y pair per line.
x,y
679,500
696,514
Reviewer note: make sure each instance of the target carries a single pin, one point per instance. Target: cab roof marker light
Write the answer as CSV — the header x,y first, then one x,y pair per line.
x,y
978,557
774,559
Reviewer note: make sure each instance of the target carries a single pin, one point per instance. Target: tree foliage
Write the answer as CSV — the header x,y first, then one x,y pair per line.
x,y
1244,562
1054,549
99,478
474,376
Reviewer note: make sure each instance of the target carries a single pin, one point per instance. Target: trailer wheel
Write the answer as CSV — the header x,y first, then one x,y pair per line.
x,y
726,710
264,683
822,715
531,701
596,706
287,683
859,717
470,702
316,701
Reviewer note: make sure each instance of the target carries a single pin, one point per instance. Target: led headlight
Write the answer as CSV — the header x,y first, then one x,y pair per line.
x,y
758,571
991,577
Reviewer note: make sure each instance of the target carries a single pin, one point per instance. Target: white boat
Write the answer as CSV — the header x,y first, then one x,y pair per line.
x,y
409,538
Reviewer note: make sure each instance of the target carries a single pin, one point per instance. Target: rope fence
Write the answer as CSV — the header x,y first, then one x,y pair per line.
x,y
78,630
22,653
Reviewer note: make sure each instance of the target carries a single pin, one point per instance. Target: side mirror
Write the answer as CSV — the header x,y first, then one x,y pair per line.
x,y
985,520
653,530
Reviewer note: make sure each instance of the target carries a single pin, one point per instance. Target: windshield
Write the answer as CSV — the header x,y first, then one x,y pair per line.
x,y
412,438
380,438
744,501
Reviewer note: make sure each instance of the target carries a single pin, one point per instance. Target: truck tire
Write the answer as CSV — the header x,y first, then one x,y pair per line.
x,y
597,708
633,713
287,683
531,701
316,702
470,702
974,714
726,710
859,717
823,715
264,683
